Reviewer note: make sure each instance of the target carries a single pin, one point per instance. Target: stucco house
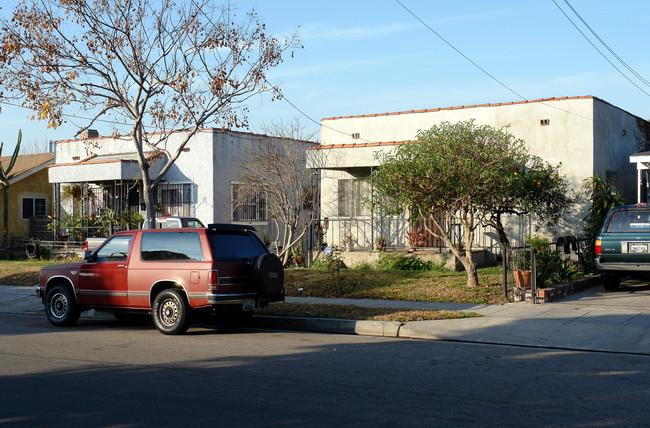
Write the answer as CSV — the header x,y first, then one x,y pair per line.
x,y
104,175
30,195
585,134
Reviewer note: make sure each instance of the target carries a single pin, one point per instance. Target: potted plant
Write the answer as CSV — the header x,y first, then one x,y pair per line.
x,y
380,243
415,238
521,268
348,242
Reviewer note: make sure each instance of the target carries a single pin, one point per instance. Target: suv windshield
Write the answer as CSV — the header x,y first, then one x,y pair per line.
x,y
629,221
235,246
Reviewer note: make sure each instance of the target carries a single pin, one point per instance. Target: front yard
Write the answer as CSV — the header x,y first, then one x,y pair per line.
x,y
353,283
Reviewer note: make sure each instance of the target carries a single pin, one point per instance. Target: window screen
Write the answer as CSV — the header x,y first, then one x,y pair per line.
x,y
351,194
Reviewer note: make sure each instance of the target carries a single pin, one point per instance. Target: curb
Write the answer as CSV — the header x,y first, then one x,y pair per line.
x,y
329,325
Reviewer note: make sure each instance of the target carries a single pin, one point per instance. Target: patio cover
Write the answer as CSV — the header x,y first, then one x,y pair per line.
x,y
117,166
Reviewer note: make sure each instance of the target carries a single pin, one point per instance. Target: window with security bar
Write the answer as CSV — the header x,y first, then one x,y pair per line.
x,y
248,204
175,199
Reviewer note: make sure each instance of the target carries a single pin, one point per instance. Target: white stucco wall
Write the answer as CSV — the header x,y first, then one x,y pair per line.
x,y
210,163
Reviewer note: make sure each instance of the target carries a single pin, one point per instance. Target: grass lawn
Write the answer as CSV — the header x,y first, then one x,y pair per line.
x,y
22,272
428,286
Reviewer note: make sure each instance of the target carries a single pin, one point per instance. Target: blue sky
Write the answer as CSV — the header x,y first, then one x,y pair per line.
x,y
363,57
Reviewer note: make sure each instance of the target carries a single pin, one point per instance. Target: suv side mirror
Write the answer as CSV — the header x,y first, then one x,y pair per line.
x,y
88,256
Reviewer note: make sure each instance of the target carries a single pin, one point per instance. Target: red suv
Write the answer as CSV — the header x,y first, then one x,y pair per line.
x,y
172,273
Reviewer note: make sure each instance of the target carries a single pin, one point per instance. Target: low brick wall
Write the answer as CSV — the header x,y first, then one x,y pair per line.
x,y
560,291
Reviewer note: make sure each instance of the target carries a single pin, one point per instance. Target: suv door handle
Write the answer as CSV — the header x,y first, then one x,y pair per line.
x,y
121,266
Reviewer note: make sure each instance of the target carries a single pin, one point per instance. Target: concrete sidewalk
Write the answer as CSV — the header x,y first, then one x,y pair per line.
x,y
591,320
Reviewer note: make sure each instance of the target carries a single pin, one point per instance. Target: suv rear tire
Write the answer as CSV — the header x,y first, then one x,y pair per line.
x,y
611,282
171,314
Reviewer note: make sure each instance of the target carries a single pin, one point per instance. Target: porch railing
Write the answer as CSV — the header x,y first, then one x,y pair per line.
x,y
393,232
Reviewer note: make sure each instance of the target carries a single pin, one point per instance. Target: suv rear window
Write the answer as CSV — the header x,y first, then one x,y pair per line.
x,y
166,246
629,221
235,246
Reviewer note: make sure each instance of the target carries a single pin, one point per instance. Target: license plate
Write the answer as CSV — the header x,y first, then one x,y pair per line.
x,y
637,248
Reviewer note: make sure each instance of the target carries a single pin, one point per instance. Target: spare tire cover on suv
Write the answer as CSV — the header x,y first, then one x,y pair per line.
x,y
268,273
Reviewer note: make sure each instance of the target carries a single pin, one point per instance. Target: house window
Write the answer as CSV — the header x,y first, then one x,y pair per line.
x,y
612,178
351,193
175,199
33,207
248,204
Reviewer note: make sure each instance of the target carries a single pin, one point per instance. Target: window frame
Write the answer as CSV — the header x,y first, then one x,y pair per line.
x,y
259,205
34,213
359,189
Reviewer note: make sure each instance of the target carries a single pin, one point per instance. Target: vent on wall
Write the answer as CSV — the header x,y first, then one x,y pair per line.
x,y
545,122
356,135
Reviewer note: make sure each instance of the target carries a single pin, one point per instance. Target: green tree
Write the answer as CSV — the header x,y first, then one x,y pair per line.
x,y
452,169
472,174
533,187
4,181
152,65
599,192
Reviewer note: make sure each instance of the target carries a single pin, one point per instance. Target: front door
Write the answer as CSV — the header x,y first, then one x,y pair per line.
x,y
103,279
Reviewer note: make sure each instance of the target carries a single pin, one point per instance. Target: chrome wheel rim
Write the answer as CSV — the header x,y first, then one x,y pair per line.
x,y
59,305
169,312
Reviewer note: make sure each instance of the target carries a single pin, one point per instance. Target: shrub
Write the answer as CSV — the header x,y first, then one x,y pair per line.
x,y
551,267
402,262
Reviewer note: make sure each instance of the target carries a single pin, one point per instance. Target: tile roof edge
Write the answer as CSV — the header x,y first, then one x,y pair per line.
x,y
539,100
359,145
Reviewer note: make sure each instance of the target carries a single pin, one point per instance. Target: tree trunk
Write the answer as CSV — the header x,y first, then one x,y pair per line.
x,y
148,194
465,257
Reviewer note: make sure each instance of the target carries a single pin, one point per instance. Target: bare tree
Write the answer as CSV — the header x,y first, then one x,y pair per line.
x,y
34,147
276,169
149,65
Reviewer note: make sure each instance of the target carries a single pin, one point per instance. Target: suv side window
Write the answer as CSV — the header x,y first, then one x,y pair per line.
x,y
115,250
235,246
171,246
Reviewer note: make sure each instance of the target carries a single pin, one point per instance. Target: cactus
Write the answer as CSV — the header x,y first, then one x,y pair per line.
x,y
4,180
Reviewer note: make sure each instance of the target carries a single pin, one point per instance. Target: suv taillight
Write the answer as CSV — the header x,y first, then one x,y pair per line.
x,y
213,280
599,246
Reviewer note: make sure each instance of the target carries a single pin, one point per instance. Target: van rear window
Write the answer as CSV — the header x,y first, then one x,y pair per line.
x,y
629,221
235,246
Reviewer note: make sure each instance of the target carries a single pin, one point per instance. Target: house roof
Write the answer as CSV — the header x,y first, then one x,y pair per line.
x,y
26,165
540,100
358,145
216,130
392,143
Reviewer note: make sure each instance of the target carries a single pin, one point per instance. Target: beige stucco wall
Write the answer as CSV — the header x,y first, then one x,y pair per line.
x,y
34,186
584,135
